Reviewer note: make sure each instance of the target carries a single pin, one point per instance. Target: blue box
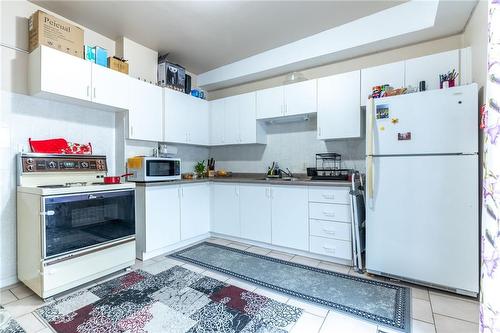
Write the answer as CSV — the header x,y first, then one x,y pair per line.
x,y
89,53
101,56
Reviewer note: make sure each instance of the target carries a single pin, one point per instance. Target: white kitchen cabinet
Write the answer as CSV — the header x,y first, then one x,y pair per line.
x,y
232,121
429,68
217,121
300,98
255,212
55,72
145,114
225,209
392,74
270,103
186,118
154,228
195,210
290,224
339,113
109,87
288,100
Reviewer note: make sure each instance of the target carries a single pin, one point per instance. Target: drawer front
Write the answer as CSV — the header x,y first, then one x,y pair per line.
x,y
329,229
329,195
331,247
330,212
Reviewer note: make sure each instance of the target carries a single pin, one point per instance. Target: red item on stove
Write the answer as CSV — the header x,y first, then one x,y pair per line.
x,y
59,146
115,179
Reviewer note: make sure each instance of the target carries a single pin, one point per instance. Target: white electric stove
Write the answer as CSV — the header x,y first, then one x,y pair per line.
x,y
71,227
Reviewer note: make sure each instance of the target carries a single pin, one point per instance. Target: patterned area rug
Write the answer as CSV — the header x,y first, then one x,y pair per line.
x,y
383,303
172,300
8,324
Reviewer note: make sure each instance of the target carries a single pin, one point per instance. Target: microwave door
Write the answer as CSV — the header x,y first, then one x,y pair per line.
x,y
162,168
73,223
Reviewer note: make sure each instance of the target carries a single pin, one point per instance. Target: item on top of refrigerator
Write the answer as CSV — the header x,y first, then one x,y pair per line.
x,y
171,75
448,80
118,64
380,91
45,29
394,92
187,84
198,93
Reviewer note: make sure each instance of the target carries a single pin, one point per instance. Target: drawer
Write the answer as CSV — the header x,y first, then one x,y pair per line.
x,y
329,195
331,212
330,247
329,229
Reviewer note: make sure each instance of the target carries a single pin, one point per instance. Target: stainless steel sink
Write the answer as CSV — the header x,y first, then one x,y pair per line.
x,y
288,179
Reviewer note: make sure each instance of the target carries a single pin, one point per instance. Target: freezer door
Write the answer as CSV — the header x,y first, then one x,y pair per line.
x,y
431,122
422,223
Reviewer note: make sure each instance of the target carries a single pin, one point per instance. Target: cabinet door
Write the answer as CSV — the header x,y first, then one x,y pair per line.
x,y
110,87
270,103
255,212
339,113
162,229
392,74
300,98
247,123
62,74
145,114
290,225
199,122
217,121
429,68
225,209
232,120
195,210
176,116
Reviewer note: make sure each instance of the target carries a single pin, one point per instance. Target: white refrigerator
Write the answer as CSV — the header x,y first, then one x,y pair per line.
x,y
422,218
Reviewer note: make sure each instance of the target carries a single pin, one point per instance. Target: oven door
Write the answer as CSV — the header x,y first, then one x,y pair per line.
x,y
162,168
77,222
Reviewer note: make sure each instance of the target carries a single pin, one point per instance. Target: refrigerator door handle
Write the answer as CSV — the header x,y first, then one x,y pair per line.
x,y
370,106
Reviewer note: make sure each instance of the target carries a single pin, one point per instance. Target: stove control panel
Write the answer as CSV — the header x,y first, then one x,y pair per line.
x,y
62,163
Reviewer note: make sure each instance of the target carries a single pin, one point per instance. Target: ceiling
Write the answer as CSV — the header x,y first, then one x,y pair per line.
x,y
203,35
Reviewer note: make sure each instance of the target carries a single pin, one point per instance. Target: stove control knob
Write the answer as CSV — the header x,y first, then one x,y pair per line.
x,y
30,167
85,165
29,161
52,165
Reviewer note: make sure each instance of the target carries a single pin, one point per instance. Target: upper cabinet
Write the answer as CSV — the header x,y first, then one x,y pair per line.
x,y
186,118
429,68
145,114
56,72
270,103
233,121
289,100
339,113
66,77
300,98
392,74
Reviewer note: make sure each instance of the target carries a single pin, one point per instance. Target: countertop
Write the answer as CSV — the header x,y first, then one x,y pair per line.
x,y
248,178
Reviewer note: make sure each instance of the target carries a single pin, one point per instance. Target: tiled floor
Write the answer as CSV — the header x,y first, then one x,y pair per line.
x,y
432,311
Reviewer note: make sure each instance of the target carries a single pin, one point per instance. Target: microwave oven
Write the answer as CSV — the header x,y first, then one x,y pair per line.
x,y
150,169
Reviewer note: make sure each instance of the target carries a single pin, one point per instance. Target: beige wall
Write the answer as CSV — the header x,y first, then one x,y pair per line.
x,y
476,36
407,52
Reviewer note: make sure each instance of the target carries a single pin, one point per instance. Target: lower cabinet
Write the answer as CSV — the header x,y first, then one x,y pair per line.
x,y
290,224
255,212
225,209
195,210
157,217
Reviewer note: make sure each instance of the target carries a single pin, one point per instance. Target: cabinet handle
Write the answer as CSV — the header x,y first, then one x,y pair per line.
x,y
329,249
132,131
328,196
94,92
88,91
328,231
286,109
271,193
236,192
268,195
326,213
182,191
319,132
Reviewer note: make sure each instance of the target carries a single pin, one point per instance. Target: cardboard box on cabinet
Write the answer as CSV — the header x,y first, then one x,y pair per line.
x,y
45,29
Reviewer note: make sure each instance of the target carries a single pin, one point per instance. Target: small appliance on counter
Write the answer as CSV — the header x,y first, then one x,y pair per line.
x,y
148,168
328,167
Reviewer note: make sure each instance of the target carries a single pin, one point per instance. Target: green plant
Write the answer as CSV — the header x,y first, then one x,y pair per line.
x,y
199,168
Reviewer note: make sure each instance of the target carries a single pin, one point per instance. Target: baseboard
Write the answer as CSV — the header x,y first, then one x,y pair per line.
x,y
171,248
8,281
